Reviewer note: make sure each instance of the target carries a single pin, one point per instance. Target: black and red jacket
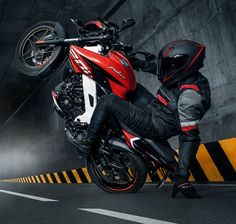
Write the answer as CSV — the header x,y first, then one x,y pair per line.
x,y
178,109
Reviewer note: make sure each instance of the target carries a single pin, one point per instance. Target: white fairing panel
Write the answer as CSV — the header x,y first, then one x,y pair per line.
x,y
89,89
95,49
132,140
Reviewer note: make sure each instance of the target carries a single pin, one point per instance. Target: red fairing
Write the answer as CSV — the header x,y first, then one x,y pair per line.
x,y
78,63
122,79
97,23
128,137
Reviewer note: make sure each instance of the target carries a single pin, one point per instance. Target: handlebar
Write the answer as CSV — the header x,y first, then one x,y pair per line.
x,y
72,40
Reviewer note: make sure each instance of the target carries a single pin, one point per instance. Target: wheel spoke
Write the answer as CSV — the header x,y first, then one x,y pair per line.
x,y
28,57
31,44
130,174
34,37
27,52
45,34
41,60
46,52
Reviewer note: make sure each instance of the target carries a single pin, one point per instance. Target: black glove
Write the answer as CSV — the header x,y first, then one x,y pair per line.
x,y
145,66
136,63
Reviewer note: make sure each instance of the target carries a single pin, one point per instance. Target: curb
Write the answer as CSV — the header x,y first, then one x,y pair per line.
x,y
78,176
215,162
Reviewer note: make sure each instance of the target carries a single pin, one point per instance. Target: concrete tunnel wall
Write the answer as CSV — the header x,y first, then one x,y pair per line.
x,y
33,141
210,22
17,16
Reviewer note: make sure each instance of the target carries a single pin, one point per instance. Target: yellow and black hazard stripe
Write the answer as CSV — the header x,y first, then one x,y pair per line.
x,y
78,176
215,161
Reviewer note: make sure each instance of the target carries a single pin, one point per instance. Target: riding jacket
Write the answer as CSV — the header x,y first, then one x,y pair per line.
x,y
179,108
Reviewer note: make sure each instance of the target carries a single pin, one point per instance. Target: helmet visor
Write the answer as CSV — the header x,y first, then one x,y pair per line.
x,y
173,63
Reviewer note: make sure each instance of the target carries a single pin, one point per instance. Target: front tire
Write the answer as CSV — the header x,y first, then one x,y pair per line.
x,y
40,61
100,178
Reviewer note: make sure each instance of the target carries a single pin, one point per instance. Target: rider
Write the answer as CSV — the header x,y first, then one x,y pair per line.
x,y
181,102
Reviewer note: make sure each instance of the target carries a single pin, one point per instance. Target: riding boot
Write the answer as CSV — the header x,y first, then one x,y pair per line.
x,y
87,139
187,153
186,189
100,116
84,142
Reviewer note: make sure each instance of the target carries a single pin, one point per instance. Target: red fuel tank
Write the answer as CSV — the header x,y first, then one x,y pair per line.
x,y
117,68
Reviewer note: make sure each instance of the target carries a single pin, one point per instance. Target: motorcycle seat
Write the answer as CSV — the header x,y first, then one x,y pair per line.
x,y
160,146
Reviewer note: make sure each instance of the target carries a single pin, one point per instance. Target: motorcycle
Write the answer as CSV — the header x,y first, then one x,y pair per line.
x,y
97,65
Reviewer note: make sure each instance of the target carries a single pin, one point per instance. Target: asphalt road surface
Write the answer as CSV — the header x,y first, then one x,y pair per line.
x,y
75,204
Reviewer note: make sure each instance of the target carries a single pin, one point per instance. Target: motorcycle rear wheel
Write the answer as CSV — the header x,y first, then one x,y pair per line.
x,y
40,61
137,177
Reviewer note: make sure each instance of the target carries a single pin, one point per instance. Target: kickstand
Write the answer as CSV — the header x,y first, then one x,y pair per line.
x,y
161,183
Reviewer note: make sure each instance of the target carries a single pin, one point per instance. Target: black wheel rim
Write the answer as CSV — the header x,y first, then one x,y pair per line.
x,y
37,57
117,184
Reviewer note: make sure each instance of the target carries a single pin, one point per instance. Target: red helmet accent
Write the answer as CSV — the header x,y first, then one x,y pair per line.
x,y
167,51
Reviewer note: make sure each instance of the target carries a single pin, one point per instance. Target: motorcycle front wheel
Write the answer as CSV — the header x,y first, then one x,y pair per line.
x,y
40,61
126,174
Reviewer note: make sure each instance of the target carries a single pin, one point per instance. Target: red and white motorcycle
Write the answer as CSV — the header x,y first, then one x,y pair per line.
x,y
97,65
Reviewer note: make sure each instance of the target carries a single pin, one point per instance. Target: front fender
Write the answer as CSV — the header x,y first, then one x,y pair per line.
x,y
118,144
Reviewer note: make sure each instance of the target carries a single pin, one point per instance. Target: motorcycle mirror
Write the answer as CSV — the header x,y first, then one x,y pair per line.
x,y
103,22
78,25
127,23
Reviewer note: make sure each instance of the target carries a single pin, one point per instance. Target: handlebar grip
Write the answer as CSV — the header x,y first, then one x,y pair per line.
x,y
94,38
48,42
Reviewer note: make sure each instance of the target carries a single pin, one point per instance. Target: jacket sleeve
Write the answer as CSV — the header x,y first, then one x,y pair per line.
x,y
190,111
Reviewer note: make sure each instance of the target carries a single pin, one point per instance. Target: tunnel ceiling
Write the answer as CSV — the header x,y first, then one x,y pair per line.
x,y
15,17
31,10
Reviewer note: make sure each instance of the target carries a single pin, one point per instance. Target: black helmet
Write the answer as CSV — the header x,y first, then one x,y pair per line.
x,y
178,60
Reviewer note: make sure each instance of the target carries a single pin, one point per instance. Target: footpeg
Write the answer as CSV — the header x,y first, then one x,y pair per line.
x,y
161,183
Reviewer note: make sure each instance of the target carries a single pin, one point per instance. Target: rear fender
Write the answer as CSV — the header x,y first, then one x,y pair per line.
x,y
119,144
55,97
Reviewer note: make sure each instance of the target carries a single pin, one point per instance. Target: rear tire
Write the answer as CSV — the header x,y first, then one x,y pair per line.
x,y
27,56
140,178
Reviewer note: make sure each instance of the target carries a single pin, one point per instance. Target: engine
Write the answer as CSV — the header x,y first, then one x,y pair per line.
x,y
71,99
69,103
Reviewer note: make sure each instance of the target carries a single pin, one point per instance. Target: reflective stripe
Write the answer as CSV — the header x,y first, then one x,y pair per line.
x,y
162,100
189,123
189,128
